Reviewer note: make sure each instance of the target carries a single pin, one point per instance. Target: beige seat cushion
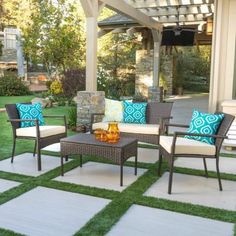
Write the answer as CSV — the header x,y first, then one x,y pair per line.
x,y
187,146
131,128
45,131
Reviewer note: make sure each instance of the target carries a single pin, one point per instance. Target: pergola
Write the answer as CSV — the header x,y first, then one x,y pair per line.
x,y
155,14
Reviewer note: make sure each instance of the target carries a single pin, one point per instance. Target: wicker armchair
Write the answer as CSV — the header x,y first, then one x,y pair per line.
x,y
42,135
177,146
157,115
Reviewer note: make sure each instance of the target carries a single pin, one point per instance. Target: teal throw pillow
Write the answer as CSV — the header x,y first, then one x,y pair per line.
x,y
204,123
30,111
134,112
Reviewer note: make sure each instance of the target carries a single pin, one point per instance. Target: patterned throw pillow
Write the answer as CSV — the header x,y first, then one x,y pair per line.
x,y
204,123
134,112
113,110
30,111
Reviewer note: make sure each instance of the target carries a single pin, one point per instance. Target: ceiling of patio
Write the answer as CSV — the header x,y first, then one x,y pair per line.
x,y
166,11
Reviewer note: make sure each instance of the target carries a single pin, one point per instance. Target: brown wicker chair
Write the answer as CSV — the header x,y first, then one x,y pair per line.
x,y
177,146
42,135
157,113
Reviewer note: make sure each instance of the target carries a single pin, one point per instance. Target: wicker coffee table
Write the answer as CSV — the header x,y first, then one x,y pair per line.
x,y
86,144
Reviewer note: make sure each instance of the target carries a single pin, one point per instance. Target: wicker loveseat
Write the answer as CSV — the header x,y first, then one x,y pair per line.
x,y
157,115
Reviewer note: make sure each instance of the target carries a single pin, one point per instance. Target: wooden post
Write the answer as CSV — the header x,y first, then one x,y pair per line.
x,y
91,9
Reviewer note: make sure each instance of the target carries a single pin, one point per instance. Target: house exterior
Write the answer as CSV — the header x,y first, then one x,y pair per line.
x,y
12,55
153,14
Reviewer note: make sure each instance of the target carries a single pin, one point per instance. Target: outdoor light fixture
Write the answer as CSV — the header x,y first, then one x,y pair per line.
x,y
209,25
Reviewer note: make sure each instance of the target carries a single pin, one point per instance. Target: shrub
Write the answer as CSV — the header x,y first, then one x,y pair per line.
x,y
10,85
72,117
48,84
121,86
56,87
61,101
73,81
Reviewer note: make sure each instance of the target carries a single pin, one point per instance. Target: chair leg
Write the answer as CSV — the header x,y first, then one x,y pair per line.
x,y
218,174
13,150
159,163
35,147
205,167
39,156
171,174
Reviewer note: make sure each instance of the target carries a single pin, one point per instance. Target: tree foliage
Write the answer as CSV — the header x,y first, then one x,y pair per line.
x,y
55,38
116,62
192,68
17,13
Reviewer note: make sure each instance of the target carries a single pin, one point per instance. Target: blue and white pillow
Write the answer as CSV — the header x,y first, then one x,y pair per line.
x,y
204,123
134,112
30,111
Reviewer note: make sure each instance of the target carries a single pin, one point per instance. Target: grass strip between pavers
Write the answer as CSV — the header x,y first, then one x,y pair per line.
x,y
102,222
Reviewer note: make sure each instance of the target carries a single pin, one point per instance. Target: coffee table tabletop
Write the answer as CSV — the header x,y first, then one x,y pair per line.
x,y
86,144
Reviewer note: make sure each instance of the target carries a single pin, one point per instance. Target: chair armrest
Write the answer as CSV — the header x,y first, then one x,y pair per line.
x,y
200,135
165,117
178,125
58,117
20,120
92,120
167,125
54,116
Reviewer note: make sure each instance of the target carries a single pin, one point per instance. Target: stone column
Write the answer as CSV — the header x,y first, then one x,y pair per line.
x,y
88,103
144,74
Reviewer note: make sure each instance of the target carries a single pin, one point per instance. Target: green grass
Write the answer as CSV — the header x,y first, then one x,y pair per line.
x,y
14,99
102,222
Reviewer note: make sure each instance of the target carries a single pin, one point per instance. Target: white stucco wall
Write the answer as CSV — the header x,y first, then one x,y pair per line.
x,y
223,54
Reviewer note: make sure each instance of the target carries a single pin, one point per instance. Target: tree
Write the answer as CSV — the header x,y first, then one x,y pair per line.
x,y
17,13
116,62
55,38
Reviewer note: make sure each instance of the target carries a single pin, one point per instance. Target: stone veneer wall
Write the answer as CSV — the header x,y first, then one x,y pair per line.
x,y
88,103
167,71
144,71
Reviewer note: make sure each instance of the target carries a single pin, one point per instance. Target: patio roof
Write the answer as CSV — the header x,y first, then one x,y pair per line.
x,y
167,11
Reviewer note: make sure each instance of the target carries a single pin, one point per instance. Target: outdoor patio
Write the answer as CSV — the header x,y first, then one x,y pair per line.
x,y
90,201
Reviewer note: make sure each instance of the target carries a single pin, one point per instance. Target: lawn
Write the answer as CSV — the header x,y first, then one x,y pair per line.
x,y
101,223
14,99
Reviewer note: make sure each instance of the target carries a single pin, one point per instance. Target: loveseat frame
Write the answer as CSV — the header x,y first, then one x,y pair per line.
x,y
156,113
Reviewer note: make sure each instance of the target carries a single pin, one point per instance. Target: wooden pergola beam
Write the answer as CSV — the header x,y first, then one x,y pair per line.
x,y
183,10
182,18
155,3
125,8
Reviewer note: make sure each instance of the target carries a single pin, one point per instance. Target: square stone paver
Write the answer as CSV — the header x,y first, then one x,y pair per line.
x,y
227,165
7,184
45,211
196,190
143,221
146,155
101,175
26,164
55,147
